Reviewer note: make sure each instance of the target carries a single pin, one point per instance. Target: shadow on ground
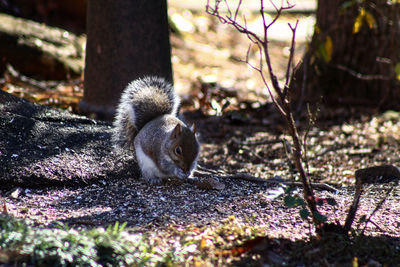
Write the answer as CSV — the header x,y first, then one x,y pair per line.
x,y
331,250
41,146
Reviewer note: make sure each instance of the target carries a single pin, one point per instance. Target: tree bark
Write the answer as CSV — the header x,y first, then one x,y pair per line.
x,y
126,40
354,55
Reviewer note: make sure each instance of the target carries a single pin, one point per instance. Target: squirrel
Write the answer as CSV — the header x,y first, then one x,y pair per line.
x,y
146,121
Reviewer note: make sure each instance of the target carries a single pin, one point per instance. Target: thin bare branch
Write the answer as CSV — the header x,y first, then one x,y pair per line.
x,y
273,77
237,10
241,28
252,36
290,61
277,15
378,206
228,8
208,7
312,117
279,99
273,4
273,98
228,19
261,72
247,61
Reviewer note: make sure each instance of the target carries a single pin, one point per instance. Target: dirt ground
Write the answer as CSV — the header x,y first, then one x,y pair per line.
x,y
248,137
169,210
335,152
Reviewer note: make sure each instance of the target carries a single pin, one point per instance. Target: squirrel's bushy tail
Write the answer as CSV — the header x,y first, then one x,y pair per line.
x,y
142,101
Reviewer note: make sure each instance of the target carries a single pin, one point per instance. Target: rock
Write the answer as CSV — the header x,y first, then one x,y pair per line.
x,y
42,146
378,174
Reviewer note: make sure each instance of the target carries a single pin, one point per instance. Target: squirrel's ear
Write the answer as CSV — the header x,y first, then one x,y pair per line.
x,y
176,132
193,128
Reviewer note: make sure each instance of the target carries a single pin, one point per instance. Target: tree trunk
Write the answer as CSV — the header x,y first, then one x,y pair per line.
x,y
126,40
354,55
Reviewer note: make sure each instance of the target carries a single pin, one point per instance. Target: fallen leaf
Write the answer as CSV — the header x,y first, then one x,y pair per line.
x,y
247,246
210,183
5,211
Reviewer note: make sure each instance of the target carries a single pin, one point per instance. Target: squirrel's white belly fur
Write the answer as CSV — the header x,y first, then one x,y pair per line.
x,y
147,166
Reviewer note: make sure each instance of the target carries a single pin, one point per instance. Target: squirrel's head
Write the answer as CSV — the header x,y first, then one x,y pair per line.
x,y
184,148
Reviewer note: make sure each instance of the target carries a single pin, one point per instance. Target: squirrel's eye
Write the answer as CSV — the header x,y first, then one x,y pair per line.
x,y
178,150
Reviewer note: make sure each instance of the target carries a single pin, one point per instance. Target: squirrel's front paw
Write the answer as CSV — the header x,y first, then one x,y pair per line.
x,y
154,180
180,174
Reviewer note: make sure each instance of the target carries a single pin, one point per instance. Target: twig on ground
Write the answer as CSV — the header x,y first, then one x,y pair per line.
x,y
378,207
17,78
251,178
371,175
255,143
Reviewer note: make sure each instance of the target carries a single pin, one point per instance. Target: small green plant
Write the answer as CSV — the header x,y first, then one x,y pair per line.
x,y
292,200
21,244
13,232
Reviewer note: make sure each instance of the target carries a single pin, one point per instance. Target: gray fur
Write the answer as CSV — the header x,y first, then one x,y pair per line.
x,y
146,122
137,107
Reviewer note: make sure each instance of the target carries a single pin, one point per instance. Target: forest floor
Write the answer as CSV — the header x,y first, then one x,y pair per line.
x,y
240,222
